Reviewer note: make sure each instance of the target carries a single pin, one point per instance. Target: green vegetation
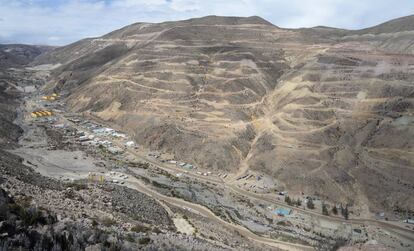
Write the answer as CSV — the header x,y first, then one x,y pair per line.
x,y
345,212
324,209
130,238
30,216
143,178
334,210
156,230
293,202
144,240
288,200
287,238
310,204
139,229
160,185
77,185
242,200
107,222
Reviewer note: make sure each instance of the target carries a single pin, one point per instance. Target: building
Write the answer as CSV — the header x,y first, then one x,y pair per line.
x,y
409,221
103,131
84,138
282,211
105,143
188,166
130,143
114,150
60,126
119,135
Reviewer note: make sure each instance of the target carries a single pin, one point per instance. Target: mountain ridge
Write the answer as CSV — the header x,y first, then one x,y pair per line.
x,y
331,104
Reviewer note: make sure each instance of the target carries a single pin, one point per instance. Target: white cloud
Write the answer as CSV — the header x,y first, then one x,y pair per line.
x,y
60,22
138,3
54,38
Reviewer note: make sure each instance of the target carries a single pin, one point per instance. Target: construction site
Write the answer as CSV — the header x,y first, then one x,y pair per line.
x,y
214,133
72,148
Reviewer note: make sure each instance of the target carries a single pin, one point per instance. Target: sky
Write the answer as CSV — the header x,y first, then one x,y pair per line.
x,y
60,22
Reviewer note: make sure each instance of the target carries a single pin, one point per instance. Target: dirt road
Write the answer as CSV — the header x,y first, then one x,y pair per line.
x,y
401,231
405,233
48,163
136,184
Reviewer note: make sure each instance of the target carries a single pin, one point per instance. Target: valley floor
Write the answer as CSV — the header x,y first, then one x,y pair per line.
x,y
121,188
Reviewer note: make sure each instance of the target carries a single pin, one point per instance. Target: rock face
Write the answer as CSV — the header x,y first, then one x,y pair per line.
x,y
322,110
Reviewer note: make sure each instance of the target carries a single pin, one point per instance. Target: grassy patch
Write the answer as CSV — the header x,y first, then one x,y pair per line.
x,y
107,222
139,229
144,240
77,185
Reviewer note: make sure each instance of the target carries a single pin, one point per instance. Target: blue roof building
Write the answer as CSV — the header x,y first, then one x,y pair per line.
x,y
282,211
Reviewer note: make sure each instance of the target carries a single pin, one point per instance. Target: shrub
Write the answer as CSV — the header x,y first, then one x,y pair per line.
x,y
77,186
310,204
30,216
345,212
156,230
139,229
130,238
324,209
334,210
144,240
288,200
107,222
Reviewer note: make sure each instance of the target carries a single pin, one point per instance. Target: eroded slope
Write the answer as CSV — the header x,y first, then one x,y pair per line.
x,y
323,111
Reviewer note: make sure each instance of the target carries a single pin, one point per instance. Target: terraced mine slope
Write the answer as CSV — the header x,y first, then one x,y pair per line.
x,y
322,110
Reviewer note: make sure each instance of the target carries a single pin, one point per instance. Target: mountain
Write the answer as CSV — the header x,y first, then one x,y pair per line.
x,y
323,111
397,25
13,55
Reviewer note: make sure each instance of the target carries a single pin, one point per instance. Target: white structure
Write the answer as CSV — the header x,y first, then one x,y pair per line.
x,y
118,135
104,131
114,150
130,143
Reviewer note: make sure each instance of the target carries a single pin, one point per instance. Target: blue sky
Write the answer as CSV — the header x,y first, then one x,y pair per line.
x,y
59,22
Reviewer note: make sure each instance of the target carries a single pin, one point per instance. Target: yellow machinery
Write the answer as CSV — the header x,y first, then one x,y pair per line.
x,y
52,97
41,114
92,177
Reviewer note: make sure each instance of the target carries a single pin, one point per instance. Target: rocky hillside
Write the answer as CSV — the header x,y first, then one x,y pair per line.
x,y
12,58
16,55
322,110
